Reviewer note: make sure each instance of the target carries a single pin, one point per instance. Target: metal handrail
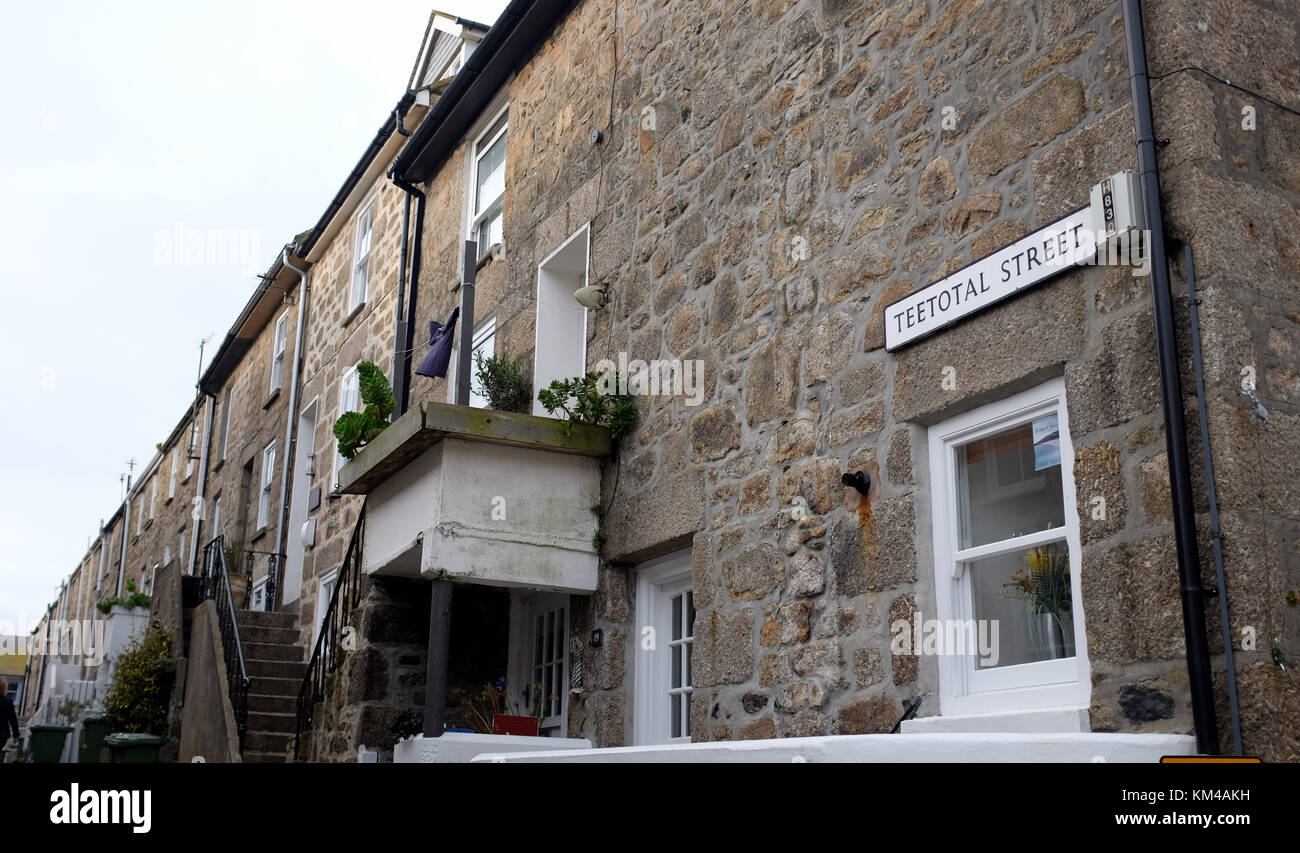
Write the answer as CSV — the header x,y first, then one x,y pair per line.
x,y
324,656
216,586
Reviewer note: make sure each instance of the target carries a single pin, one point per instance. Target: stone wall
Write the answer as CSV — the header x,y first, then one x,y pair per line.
x,y
773,174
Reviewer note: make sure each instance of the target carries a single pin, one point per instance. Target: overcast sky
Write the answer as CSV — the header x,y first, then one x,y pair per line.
x,y
124,122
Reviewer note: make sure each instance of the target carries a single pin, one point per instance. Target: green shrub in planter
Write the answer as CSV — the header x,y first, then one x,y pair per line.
x,y
142,683
504,382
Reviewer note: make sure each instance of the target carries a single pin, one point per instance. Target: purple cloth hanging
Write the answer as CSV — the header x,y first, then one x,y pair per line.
x,y
440,340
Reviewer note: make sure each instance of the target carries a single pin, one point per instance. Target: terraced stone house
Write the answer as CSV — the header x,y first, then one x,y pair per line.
x,y
962,338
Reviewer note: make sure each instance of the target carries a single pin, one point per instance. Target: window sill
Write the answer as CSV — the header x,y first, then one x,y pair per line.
x,y
352,315
275,395
1040,721
261,531
494,251
218,465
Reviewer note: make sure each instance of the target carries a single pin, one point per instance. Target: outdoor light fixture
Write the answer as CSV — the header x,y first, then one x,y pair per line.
x,y
597,638
859,480
592,296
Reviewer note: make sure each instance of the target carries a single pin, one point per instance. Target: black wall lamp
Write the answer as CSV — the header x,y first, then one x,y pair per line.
x,y
859,480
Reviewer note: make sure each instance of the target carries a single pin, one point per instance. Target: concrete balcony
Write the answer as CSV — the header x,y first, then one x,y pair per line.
x,y
480,496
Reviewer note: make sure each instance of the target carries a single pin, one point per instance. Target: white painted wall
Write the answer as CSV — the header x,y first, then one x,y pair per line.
x,y
460,747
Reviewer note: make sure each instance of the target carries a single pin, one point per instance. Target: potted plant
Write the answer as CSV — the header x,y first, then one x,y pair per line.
x,y
134,599
136,703
504,382
490,712
354,430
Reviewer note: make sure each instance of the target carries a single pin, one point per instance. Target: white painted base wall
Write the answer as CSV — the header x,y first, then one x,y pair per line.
x,y
900,748
461,747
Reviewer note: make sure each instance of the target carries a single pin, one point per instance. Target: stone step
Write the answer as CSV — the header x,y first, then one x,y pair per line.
x,y
274,669
263,721
267,741
270,703
275,688
262,634
256,757
262,619
272,651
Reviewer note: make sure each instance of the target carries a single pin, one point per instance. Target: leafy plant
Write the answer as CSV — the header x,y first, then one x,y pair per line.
x,y
354,430
580,401
504,381
69,710
134,599
142,682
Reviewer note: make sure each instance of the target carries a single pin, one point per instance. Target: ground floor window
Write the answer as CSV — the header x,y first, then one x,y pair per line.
x,y
666,636
1009,634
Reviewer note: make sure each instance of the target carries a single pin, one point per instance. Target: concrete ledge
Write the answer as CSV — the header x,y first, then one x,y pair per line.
x,y
421,427
889,749
1044,721
460,747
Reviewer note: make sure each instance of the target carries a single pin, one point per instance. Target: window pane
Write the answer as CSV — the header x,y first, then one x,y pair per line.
x,y
491,174
1027,594
675,714
676,605
690,614
675,652
689,648
1009,483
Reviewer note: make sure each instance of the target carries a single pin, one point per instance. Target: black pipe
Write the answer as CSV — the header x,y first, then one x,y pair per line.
x,y
435,688
404,342
399,334
1216,533
1171,396
465,357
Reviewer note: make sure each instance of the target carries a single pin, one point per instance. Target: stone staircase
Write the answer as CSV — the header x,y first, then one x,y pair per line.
x,y
275,669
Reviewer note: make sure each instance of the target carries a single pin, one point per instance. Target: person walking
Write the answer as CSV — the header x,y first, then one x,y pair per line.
x,y
8,722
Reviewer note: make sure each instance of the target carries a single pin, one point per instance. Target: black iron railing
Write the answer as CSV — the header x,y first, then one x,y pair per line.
x,y
273,563
324,656
216,586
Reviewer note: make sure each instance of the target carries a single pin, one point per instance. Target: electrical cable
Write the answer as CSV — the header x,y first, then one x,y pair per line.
x,y
1229,84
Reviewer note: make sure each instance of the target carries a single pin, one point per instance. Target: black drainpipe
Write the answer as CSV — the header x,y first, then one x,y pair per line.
x,y
404,337
1180,480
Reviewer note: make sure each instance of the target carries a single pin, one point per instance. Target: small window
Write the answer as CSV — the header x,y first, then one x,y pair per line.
x,y
180,547
176,465
139,518
349,401
489,186
259,594
665,605
1006,537
361,258
216,517
268,474
167,555
324,592
277,351
153,498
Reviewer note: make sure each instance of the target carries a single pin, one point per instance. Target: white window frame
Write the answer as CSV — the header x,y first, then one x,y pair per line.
x,y
278,345
325,581
216,518
527,608
153,498
351,375
167,554
479,215
1032,686
484,341
257,595
264,490
363,236
658,582
180,547
176,464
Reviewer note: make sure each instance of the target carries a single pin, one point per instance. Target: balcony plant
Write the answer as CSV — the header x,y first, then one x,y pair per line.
x,y
504,382
354,430
491,712
133,599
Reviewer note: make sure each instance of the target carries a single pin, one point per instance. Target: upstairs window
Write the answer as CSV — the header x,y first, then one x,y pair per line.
x,y
489,186
225,424
153,497
361,258
277,351
268,474
176,464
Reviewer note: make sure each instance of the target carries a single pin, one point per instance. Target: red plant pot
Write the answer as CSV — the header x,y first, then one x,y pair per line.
x,y
510,724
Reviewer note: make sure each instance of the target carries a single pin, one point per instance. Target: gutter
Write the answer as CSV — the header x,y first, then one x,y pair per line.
x,y
518,30
290,429
1171,394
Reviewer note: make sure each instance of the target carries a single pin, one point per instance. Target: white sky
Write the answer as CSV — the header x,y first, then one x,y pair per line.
x,y
122,122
